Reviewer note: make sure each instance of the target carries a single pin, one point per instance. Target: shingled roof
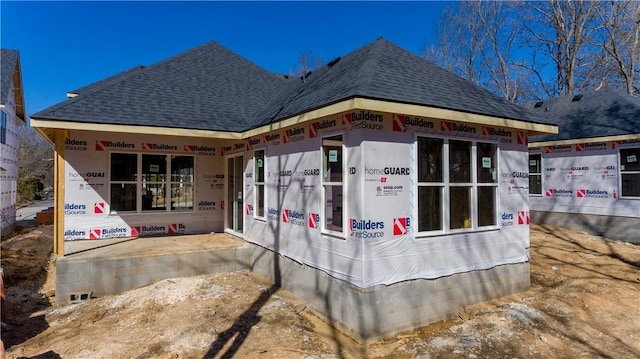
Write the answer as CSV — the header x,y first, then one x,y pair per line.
x,y
206,88
10,74
212,88
384,71
606,112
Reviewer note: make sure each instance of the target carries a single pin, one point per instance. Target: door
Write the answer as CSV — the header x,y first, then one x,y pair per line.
x,y
235,214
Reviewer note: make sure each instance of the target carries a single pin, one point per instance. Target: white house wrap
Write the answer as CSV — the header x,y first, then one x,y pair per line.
x,y
375,169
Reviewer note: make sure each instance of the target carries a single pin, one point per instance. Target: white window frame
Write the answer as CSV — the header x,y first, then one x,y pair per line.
x,y
621,173
446,185
541,174
263,183
343,184
139,182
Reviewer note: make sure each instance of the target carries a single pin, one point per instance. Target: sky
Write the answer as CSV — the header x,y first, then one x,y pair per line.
x,y
67,45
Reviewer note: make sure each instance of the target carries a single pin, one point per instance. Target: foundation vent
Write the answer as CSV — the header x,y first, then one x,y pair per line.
x,y
79,297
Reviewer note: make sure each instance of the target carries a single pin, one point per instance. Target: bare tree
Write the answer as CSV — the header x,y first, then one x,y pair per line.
x,y
460,41
563,31
619,36
306,63
477,40
35,160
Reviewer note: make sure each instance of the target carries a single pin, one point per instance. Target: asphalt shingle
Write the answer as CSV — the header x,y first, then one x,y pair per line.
x,y
208,88
605,112
8,61
384,71
212,88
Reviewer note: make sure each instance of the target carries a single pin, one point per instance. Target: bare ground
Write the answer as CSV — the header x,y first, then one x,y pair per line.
x,y
583,302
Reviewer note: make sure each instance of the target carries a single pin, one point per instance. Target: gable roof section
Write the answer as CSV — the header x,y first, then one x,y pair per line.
x,y
384,71
10,74
206,88
602,113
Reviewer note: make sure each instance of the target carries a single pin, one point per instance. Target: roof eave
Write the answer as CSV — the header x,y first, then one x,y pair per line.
x,y
362,103
573,141
50,124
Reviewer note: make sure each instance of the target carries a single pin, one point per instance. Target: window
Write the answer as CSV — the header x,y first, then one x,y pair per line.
x,y
487,183
124,177
430,183
154,182
3,128
630,172
151,182
457,185
182,183
332,171
259,182
535,173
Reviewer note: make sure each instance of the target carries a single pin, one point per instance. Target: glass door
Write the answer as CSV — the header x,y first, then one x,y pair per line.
x,y
235,214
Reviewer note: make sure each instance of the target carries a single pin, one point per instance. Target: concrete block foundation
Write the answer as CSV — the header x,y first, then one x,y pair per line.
x,y
367,313
104,276
363,313
613,227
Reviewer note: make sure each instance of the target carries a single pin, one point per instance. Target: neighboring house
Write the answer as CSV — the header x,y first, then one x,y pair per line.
x,y
587,177
398,183
12,114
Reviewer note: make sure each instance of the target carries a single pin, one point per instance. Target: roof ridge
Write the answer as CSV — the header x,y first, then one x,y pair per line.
x,y
146,69
108,84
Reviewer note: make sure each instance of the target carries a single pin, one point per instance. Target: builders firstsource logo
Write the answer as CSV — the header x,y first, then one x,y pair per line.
x,y
365,228
555,192
492,131
592,193
456,127
158,146
116,232
75,145
316,127
273,214
523,218
201,150
99,208
105,145
176,228
206,205
363,120
293,217
74,209
293,135
401,226
402,123
314,220
71,234
507,219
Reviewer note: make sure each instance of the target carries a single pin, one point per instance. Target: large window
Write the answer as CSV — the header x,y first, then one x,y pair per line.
x,y
630,172
150,182
535,174
259,181
457,185
332,170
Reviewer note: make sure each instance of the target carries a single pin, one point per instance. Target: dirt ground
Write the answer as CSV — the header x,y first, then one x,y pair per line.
x,y
583,302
